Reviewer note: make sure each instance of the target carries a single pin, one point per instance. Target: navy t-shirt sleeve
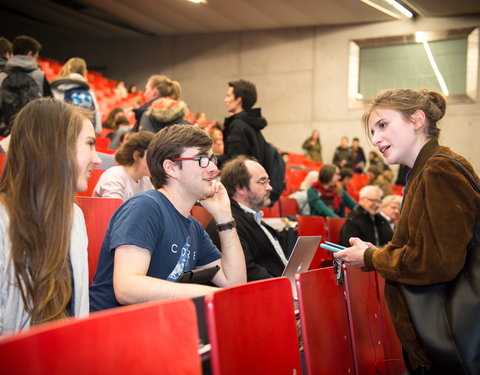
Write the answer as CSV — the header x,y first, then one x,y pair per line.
x,y
138,222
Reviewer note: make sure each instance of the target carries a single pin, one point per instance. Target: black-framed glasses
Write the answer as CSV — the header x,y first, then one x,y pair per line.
x,y
203,160
378,201
263,181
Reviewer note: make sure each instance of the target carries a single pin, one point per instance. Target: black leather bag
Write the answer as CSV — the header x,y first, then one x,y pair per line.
x,y
447,315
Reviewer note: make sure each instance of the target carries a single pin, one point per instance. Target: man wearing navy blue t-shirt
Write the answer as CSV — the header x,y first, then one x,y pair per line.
x,y
152,239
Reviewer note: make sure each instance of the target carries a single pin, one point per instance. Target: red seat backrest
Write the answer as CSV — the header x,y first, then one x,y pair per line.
x,y
326,340
366,325
334,226
152,338
3,159
202,215
273,211
393,347
288,206
97,213
315,226
252,329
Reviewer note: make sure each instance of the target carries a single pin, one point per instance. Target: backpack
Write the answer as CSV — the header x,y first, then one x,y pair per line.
x,y
80,97
18,88
275,167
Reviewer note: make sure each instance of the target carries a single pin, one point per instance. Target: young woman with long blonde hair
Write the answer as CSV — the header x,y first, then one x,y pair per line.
x,y
43,243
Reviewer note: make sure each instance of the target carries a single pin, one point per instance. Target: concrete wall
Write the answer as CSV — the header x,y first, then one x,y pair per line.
x,y
301,76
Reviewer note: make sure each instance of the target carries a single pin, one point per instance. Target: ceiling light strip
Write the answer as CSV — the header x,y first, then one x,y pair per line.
x,y
381,9
437,72
400,8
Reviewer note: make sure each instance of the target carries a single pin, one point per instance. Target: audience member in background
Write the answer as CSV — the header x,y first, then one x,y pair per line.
x,y
376,160
122,125
5,52
124,137
200,118
285,157
112,117
343,154
133,90
248,187
131,176
301,194
325,197
365,221
43,240
21,70
313,147
152,239
120,90
382,179
156,85
242,130
72,87
217,135
358,156
390,209
151,93
346,175
166,110
438,218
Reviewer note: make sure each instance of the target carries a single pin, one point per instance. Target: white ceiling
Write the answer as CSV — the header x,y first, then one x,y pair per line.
x,y
137,18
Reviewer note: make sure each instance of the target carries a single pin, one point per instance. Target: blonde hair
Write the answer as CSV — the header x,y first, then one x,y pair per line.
x,y
407,102
74,65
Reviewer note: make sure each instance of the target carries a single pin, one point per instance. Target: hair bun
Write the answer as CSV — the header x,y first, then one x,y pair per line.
x,y
438,101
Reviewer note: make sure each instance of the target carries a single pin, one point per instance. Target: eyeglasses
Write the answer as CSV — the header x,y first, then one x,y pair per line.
x,y
203,160
263,181
379,201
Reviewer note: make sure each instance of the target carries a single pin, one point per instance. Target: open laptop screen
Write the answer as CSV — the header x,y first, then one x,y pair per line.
x,y
300,258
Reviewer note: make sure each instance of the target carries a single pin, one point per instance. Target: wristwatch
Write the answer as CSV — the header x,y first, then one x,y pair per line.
x,y
226,226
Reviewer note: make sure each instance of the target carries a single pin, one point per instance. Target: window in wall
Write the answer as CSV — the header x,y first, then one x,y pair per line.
x,y
443,61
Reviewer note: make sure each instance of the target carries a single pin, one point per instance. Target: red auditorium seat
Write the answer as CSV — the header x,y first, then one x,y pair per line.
x,y
273,211
252,330
3,159
288,206
366,324
97,213
151,338
202,215
324,320
334,226
315,226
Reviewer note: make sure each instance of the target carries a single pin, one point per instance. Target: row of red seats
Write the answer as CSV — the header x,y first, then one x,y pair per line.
x,y
251,327
102,86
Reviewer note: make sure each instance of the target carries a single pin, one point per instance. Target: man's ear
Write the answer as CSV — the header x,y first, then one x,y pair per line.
x,y
136,155
170,168
241,192
418,119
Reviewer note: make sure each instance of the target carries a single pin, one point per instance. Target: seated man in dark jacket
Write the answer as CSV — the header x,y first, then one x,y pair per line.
x,y
247,184
365,222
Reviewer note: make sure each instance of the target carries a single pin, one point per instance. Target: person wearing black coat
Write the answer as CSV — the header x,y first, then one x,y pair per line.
x,y
247,184
365,222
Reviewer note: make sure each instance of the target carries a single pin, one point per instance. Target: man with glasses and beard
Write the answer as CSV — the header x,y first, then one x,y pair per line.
x,y
248,187
152,238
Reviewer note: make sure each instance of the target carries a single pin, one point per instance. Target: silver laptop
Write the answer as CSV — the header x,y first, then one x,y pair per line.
x,y
300,258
